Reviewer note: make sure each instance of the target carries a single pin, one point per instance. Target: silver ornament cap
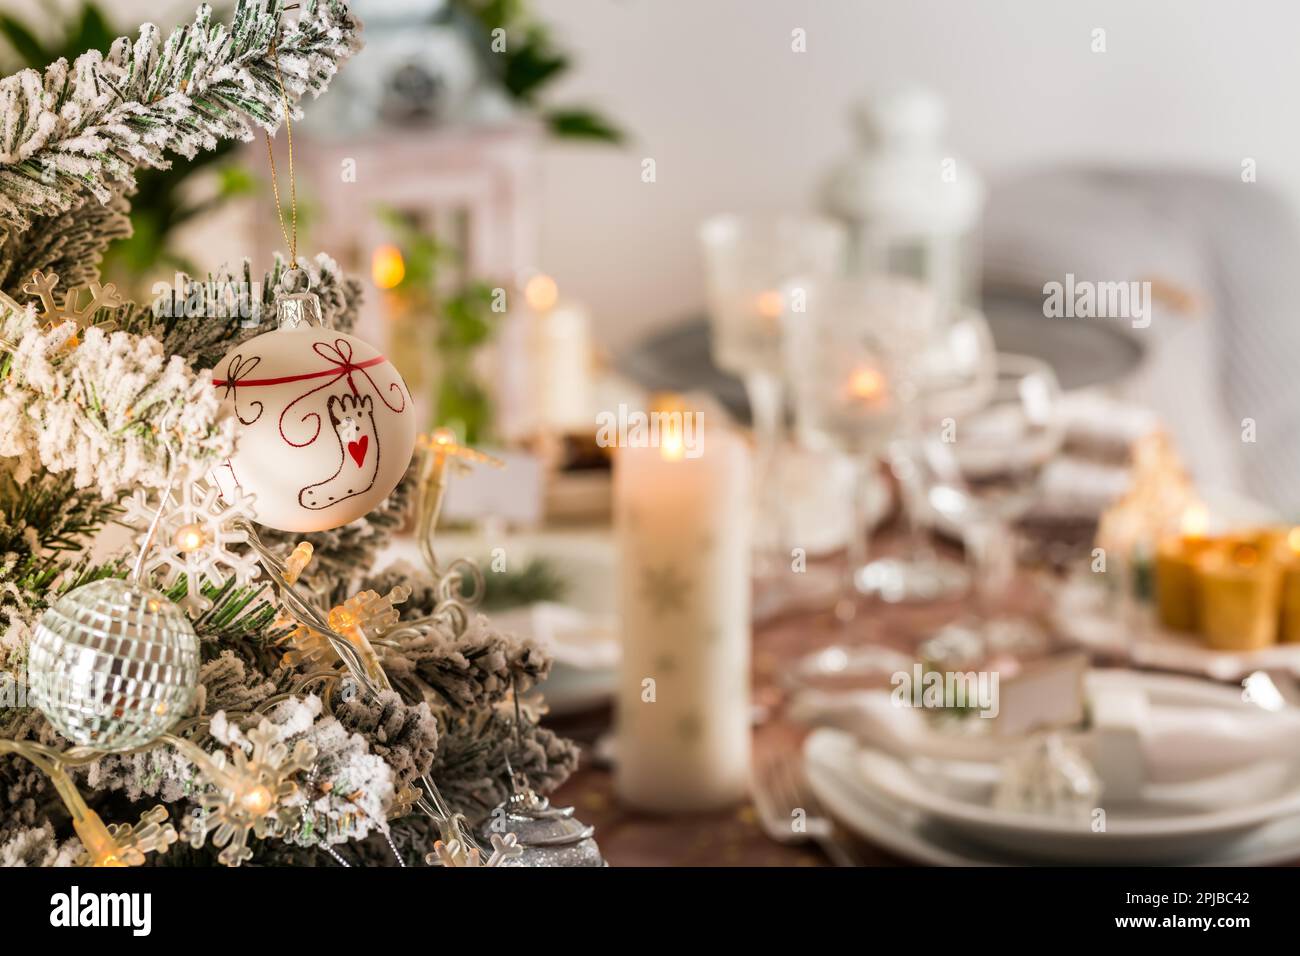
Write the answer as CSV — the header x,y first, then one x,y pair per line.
x,y
113,665
297,305
548,836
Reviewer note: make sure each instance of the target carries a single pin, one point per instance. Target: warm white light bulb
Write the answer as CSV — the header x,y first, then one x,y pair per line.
x,y
257,801
190,536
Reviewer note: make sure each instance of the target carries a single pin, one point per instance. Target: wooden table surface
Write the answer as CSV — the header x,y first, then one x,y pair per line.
x,y
734,837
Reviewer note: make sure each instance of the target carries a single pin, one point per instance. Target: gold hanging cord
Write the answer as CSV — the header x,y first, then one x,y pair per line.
x,y
290,238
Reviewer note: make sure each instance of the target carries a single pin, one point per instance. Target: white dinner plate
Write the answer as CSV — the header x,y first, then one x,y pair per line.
x,y
831,758
1159,828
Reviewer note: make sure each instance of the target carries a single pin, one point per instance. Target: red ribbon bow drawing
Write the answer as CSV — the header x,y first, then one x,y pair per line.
x,y
338,354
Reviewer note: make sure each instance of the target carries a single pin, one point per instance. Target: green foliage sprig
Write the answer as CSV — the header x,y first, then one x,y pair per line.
x,y
530,62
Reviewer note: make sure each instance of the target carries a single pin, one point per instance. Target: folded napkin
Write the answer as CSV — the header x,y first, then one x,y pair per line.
x,y
1093,469
1135,743
1078,488
1101,427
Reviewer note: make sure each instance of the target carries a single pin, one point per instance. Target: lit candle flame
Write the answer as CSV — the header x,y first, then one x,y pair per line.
x,y
1293,540
770,305
1196,521
866,383
667,402
671,446
672,408
387,267
541,293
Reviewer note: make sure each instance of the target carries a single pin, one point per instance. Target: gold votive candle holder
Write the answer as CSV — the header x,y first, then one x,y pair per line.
x,y
1177,605
1288,625
1238,590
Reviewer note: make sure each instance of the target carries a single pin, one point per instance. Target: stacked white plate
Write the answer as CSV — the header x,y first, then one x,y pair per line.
x,y
941,812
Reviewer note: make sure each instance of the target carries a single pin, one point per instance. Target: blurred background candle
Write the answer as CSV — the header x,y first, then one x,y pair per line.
x,y
546,377
1289,618
748,259
1237,593
1176,557
562,351
683,699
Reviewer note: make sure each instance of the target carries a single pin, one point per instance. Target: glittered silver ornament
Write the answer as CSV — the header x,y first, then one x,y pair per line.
x,y
548,836
113,665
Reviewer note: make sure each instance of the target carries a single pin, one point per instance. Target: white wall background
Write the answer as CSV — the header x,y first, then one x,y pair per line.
x,y
734,119
711,90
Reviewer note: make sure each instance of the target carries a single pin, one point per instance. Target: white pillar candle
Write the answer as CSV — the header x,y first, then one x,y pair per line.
x,y
563,353
684,688
544,365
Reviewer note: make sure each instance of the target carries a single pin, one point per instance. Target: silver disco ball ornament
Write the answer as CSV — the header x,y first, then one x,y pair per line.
x,y
548,836
113,665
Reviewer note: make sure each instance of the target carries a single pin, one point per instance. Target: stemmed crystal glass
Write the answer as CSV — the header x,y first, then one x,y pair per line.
x,y
946,369
939,365
747,260
844,379
986,472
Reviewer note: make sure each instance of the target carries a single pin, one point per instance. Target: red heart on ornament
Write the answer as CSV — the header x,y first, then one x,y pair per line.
x,y
357,449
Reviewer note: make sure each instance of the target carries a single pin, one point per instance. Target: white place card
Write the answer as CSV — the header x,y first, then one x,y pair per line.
x,y
513,494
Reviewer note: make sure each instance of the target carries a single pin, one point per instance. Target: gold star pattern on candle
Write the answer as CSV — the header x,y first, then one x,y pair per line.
x,y
689,726
666,588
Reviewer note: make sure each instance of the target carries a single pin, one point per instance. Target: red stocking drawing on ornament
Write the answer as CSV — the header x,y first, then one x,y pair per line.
x,y
353,421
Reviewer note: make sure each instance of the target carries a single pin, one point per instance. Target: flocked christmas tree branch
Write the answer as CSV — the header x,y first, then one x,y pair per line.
x,y
77,133
115,411
121,399
87,127
122,410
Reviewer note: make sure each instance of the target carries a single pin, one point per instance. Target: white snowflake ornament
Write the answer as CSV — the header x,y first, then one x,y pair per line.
x,y
73,308
193,538
250,792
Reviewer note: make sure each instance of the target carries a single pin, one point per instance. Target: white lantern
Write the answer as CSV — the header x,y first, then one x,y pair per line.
x,y
912,208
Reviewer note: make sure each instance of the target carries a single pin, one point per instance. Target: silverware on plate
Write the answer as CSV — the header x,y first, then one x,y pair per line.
x,y
790,813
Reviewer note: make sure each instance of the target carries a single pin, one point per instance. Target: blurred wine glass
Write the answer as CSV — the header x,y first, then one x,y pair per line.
x,y
944,374
747,261
845,386
986,472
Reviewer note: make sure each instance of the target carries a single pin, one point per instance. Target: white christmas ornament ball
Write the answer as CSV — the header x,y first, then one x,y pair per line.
x,y
113,665
327,426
